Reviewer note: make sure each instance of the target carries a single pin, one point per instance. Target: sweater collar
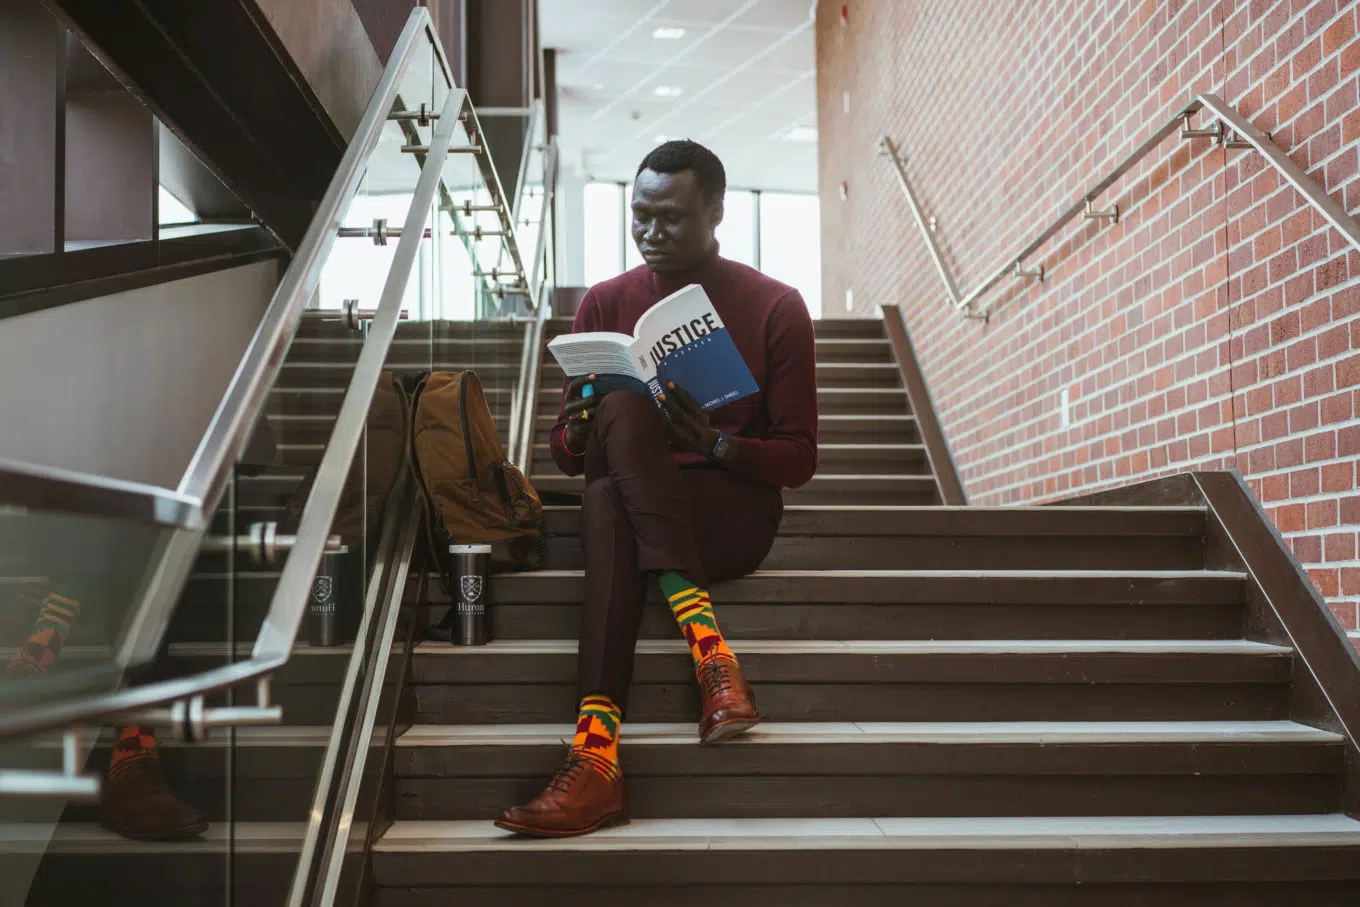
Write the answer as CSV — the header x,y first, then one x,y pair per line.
x,y
667,282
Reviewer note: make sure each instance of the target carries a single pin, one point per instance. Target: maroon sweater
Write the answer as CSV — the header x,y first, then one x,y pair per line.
x,y
770,325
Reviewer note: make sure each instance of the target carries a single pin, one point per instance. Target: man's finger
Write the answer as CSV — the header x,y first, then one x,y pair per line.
x,y
577,384
685,398
674,407
581,405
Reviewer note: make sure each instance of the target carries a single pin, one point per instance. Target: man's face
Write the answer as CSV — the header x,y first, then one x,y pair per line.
x,y
672,222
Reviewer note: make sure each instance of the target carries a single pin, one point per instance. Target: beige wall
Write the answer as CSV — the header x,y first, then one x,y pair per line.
x,y
125,385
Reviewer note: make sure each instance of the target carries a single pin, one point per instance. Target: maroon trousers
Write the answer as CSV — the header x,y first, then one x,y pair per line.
x,y
642,515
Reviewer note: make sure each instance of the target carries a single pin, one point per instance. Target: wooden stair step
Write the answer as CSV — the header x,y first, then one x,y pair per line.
x,y
514,682
965,853
871,769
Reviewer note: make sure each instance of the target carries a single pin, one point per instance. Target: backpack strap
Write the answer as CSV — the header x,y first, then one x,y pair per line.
x,y
430,516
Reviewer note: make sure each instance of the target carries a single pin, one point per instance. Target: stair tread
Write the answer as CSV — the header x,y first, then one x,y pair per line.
x,y
980,833
92,838
934,732
886,646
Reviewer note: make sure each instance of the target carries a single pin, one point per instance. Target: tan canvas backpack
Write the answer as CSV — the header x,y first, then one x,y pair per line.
x,y
471,494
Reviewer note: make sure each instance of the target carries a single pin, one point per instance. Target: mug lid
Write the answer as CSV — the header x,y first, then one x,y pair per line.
x,y
469,549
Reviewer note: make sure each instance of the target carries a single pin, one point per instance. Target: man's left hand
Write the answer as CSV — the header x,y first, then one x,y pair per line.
x,y
688,426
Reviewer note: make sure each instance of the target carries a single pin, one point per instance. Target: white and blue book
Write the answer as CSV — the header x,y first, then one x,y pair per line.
x,y
679,339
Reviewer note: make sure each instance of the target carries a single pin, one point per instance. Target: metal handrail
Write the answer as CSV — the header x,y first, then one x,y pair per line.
x,y
1231,130
47,488
526,396
275,642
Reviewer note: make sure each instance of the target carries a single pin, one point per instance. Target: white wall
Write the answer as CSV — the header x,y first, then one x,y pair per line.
x,y
125,385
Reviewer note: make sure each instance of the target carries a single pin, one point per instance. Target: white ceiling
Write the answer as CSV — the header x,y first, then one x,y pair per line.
x,y
745,70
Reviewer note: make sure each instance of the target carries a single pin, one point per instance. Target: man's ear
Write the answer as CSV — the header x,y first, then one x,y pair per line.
x,y
715,212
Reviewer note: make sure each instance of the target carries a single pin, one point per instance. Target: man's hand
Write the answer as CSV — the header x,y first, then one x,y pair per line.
x,y
579,412
688,426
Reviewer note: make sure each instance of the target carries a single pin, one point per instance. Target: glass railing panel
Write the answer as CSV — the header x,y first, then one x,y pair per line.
x,y
277,769
83,634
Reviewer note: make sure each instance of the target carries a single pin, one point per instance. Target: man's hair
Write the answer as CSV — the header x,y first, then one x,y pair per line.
x,y
682,154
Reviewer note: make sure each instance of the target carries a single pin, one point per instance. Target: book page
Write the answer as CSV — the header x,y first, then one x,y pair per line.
x,y
596,352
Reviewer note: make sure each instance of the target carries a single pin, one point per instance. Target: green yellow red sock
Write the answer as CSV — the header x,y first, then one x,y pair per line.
x,y
134,743
39,652
693,611
597,734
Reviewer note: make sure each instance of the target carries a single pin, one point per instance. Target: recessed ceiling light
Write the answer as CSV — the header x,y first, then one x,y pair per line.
x,y
668,33
805,134
667,91
661,139
598,86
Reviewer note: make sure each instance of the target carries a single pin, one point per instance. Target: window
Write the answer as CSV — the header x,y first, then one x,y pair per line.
x,y
791,244
174,211
604,229
737,232
784,241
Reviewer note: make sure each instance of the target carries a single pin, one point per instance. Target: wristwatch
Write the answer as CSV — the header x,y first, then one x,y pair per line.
x,y
722,448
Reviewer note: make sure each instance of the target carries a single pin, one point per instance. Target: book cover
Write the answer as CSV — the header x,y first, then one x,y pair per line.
x,y
680,339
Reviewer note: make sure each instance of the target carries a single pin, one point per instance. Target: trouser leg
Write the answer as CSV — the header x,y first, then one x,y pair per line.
x,y
641,515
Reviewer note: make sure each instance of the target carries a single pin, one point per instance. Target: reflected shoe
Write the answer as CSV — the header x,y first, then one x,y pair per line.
x,y
578,800
729,706
139,805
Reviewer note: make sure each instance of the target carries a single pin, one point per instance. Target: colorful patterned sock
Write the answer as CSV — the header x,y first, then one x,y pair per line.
x,y
597,735
694,613
39,652
134,744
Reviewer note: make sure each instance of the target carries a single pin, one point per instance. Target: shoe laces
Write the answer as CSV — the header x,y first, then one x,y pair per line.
x,y
568,772
716,677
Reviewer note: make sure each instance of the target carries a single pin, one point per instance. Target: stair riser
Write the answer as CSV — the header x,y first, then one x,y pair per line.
x,y
822,491
847,869
338,374
842,621
849,403
866,430
292,430
193,874
764,795
285,403
884,701
879,553
668,891
413,352
828,375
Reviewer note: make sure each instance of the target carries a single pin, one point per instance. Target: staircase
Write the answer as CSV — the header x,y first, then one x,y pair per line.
x,y
964,706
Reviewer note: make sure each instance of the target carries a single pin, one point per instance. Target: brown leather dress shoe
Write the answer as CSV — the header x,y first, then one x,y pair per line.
x,y
139,804
577,801
729,704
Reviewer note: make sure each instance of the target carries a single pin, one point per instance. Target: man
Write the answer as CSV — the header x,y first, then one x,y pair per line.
x,y
688,500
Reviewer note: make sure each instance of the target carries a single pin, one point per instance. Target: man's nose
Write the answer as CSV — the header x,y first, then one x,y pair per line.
x,y
653,230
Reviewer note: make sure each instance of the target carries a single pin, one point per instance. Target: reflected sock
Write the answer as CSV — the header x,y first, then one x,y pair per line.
x,y
597,735
693,611
134,745
39,652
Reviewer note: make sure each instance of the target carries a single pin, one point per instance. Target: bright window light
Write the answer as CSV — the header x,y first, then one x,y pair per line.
x,y
174,211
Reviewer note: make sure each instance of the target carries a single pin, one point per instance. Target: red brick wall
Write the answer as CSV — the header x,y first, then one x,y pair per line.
x,y
1213,326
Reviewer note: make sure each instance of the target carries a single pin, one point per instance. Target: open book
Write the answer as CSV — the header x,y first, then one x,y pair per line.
x,y
679,339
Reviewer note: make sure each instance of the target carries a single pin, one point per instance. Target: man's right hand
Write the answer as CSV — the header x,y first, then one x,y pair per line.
x,y
580,419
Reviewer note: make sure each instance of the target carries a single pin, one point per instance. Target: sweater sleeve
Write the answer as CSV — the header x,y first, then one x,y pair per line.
x,y
587,319
788,457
